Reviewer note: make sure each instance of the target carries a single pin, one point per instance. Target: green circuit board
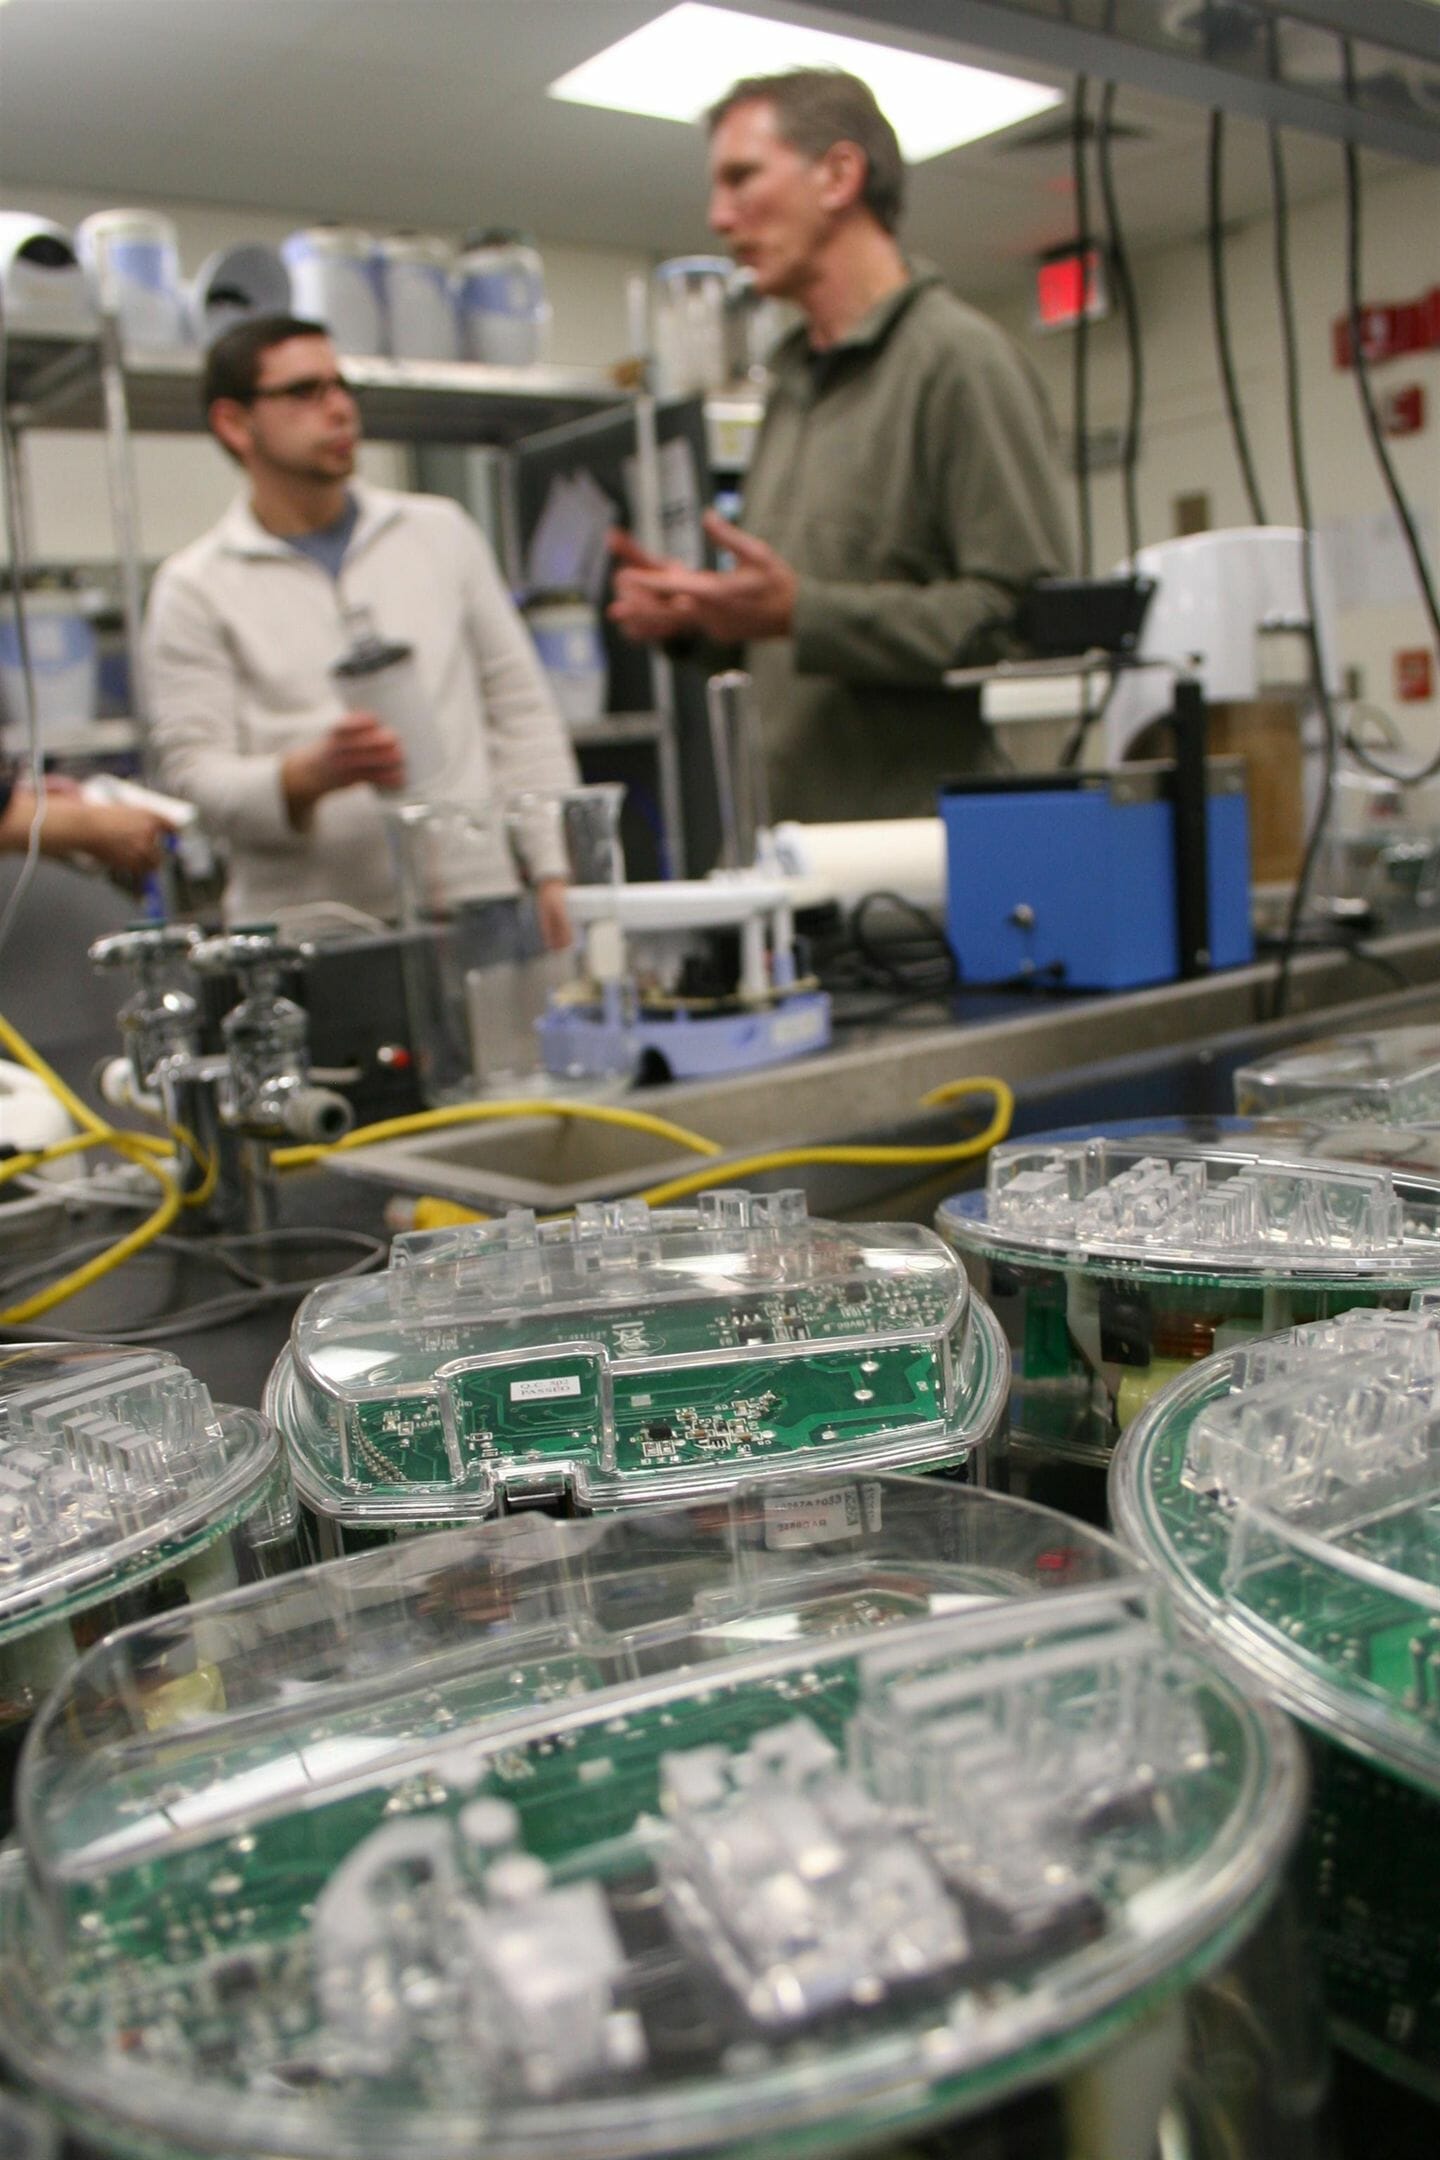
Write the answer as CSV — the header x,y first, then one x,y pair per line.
x,y
574,1793
1368,1638
688,1386
200,1953
1377,1918
723,1412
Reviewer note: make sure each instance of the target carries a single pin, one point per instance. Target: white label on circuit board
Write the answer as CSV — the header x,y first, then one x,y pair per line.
x,y
815,1520
545,1390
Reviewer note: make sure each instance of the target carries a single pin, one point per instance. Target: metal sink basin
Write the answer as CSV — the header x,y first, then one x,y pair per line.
x,y
872,1088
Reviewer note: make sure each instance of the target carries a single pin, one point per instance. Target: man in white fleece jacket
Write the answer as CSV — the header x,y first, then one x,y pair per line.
x,y
244,627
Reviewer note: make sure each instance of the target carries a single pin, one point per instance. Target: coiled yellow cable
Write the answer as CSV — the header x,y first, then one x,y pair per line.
x,y
125,1248
297,1158
144,1149
794,1158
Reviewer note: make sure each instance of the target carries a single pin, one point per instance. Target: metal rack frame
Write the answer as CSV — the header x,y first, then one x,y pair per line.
x,y
94,385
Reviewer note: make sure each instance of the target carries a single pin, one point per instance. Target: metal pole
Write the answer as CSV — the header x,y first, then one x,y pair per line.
x,y
1192,872
123,510
650,531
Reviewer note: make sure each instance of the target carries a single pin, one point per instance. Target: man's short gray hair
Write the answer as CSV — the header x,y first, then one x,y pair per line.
x,y
817,107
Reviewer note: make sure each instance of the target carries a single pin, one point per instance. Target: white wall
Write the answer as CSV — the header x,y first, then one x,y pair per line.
x,y
1187,443
183,483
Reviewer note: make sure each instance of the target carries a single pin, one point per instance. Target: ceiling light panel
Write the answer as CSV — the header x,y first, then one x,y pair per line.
x,y
678,65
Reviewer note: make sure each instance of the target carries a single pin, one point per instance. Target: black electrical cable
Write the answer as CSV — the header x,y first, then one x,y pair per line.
x,y
918,960
1366,389
1130,313
1290,348
1081,380
1220,312
258,1291
1075,741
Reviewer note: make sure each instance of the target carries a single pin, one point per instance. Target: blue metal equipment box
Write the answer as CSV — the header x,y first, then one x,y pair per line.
x,y
1072,875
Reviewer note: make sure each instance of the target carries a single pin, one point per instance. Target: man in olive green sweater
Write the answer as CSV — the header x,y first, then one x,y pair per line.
x,y
904,485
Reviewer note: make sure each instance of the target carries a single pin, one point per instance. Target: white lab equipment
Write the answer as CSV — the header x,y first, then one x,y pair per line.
x,y
421,321
1217,596
234,283
43,289
333,279
500,292
64,662
132,258
378,675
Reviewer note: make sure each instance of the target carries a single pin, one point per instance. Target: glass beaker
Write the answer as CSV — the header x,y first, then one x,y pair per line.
x,y
576,831
476,975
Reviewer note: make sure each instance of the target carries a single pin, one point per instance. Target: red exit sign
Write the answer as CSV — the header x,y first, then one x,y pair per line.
x,y
1390,328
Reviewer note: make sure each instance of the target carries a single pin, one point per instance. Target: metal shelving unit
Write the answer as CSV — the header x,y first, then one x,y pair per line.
x,y
95,385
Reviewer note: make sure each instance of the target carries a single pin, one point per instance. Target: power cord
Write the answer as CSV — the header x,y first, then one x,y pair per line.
x,y
921,962
259,1290
1366,389
1130,313
1290,345
1220,312
1082,328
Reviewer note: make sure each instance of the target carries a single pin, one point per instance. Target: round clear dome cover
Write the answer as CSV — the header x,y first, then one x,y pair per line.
x,y
838,1804
627,1356
114,1462
1286,1492
1389,1075
1299,1200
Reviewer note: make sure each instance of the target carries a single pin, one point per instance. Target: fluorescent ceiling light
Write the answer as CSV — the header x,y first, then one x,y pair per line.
x,y
679,64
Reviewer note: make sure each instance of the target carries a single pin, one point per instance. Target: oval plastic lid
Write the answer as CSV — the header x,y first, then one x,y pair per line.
x,y
1390,1075
1248,1202
107,1455
843,1801
627,1356
1286,1493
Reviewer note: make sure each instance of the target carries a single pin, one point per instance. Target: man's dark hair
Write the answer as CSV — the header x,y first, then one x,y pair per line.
x,y
232,365
815,107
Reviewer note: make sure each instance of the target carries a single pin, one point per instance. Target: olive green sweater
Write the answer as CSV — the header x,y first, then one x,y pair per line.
x,y
909,476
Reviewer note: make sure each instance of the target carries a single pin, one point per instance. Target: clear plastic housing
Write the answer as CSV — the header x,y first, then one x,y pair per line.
x,y
1287,1494
114,1463
1167,1202
1117,1259
1391,1076
624,1356
837,1805
1289,1490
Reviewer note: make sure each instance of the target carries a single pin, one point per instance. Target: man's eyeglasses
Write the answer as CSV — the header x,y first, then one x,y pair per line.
x,y
305,390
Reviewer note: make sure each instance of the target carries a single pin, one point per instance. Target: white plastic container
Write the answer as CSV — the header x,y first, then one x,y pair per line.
x,y
421,321
334,280
132,258
233,284
379,676
500,293
42,286
689,299
566,629
64,662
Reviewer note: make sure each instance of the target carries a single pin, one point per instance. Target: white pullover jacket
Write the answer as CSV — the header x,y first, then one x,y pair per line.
x,y
241,634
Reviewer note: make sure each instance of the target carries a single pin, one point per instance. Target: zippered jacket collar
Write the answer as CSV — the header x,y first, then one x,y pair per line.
x,y
241,533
